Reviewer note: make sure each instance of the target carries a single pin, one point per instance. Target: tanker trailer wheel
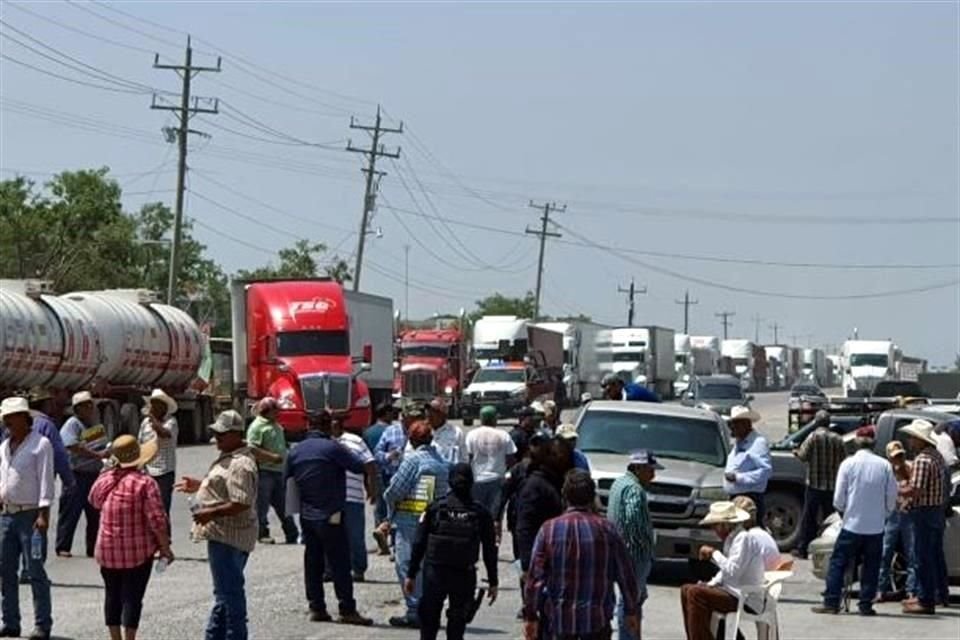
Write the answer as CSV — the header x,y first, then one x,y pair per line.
x,y
110,419
130,418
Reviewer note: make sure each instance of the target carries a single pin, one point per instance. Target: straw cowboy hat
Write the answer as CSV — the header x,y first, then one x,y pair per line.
x,y
161,395
725,513
743,413
80,397
127,453
10,406
921,430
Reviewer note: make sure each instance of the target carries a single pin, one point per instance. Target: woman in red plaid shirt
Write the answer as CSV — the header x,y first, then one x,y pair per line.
x,y
133,528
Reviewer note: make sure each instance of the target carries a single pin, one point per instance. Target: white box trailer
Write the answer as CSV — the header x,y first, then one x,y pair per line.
x,y
581,360
371,322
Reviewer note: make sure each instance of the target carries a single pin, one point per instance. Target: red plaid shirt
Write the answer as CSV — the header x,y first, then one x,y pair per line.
x,y
131,517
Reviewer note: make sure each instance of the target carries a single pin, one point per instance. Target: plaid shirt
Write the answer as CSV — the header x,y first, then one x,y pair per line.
x,y
630,514
576,559
823,451
131,517
927,478
393,439
232,478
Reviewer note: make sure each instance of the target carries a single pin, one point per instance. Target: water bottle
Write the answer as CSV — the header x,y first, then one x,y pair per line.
x,y
36,546
161,565
193,504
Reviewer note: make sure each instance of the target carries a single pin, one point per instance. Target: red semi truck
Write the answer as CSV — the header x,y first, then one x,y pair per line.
x,y
432,362
313,346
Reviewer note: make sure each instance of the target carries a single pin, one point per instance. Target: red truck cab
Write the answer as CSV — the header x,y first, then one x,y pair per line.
x,y
292,342
431,363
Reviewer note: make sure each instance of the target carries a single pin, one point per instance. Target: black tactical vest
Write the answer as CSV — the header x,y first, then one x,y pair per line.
x,y
454,539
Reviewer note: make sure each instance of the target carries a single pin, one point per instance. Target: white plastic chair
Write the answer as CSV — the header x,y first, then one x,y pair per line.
x,y
768,626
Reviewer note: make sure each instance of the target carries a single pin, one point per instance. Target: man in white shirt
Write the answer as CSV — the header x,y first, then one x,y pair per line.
x,y
740,563
26,491
354,511
866,493
765,543
948,435
491,452
160,423
448,439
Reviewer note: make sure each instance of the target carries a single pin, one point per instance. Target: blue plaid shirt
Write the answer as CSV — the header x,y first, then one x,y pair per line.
x,y
393,439
421,479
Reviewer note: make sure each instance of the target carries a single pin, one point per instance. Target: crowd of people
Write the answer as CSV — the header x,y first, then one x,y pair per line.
x,y
440,498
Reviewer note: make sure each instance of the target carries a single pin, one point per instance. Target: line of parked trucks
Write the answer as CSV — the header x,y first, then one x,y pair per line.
x,y
314,345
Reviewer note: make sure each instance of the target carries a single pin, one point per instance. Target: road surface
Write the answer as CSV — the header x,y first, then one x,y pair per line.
x,y
178,601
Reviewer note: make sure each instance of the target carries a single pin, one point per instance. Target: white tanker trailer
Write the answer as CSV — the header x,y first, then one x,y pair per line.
x,y
118,344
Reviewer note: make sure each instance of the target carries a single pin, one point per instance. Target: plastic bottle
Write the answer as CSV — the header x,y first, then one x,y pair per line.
x,y
36,546
161,565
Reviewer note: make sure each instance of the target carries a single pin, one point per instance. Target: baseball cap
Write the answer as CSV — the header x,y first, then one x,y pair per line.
x,y
867,431
644,457
80,397
487,412
567,432
609,379
895,448
228,421
414,410
541,435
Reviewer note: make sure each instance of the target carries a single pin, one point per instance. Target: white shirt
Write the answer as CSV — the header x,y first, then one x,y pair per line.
x,y
449,442
866,492
360,449
488,448
26,477
767,547
166,459
946,448
741,565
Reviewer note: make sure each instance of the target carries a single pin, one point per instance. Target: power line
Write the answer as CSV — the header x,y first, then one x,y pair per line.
x,y
775,327
68,27
53,74
725,320
87,9
248,218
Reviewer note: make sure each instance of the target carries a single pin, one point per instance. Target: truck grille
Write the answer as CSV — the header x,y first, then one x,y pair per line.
x,y
325,392
496,395
672,490
674,498
419,384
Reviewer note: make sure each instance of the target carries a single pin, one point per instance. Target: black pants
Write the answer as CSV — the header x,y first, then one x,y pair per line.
x,y
73,502
123,594
439,583
165,484
817,505
323,541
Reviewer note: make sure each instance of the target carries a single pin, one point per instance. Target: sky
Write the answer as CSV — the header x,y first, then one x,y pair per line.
x,y
693,144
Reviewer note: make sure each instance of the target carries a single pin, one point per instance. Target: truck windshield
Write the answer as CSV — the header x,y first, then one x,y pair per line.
x,y
721,392
621,432
486,354
868,360
499,375
635,356
410,350
312,343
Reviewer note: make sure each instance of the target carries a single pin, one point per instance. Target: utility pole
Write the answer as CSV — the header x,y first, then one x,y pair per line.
x,y
775,327
686,302
631,292
375,151
186,71
406,283
756,327
725,319
547,208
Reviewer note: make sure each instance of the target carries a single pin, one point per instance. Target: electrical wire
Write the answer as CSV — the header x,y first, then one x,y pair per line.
x,y
14,60
68,27
236,114
244,216
87,9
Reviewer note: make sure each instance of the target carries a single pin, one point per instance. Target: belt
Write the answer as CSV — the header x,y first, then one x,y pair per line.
x,y
17,508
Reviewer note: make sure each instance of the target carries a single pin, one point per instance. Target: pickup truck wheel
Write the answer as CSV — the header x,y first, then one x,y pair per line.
x,y
468,422
782,519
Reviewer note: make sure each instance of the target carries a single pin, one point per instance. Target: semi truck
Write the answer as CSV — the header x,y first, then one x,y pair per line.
x,y
865,363
581,361
814,366
313,346
431,363
493,334
643,355
119,344
694,356
749,362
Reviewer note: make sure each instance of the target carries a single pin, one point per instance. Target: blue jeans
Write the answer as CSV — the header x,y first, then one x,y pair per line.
x,y
641,568
928,524
898,535
380,508
271,492
406,529
325,542
487,494
16,532
848,549
228,618
355,521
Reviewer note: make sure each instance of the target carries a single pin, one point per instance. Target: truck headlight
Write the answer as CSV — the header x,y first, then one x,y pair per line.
x,y
362,402
286,402
711,494
448,390
519,392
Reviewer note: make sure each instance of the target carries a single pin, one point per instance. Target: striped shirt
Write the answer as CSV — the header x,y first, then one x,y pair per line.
x,y
166,459
927,478
131,518
823,451
629,512
577,557
232,478
357,447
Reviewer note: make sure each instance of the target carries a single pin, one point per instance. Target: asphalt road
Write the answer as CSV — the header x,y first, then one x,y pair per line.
x,y
178,601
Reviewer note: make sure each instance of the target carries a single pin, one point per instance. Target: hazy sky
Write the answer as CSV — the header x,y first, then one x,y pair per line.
x,y
766,132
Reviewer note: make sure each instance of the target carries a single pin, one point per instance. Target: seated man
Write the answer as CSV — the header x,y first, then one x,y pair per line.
x,y
741,565
772,560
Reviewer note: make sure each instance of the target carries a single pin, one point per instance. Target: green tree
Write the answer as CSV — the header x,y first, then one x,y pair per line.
x,y
299,261
501,305
339,270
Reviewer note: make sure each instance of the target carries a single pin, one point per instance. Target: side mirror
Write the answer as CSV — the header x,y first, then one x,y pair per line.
x,y
586,398
367,353
396,365
750,398
365,367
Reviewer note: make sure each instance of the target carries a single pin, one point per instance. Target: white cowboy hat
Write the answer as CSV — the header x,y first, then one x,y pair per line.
x,y
743,413
80,397
10,406
921,430
161,395
725,512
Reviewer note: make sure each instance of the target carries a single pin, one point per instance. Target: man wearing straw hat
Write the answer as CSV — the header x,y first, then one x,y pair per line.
x,y
741,565
927,492
26,491
160,424
748,466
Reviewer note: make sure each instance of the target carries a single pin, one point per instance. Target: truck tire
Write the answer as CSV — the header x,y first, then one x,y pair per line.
x,y
784,510
110,419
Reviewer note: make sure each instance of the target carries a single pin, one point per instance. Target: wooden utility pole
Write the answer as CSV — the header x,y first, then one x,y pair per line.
x,y
375,151
756,327
725,319
184,112
686,302
543,233
631,292
775,327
